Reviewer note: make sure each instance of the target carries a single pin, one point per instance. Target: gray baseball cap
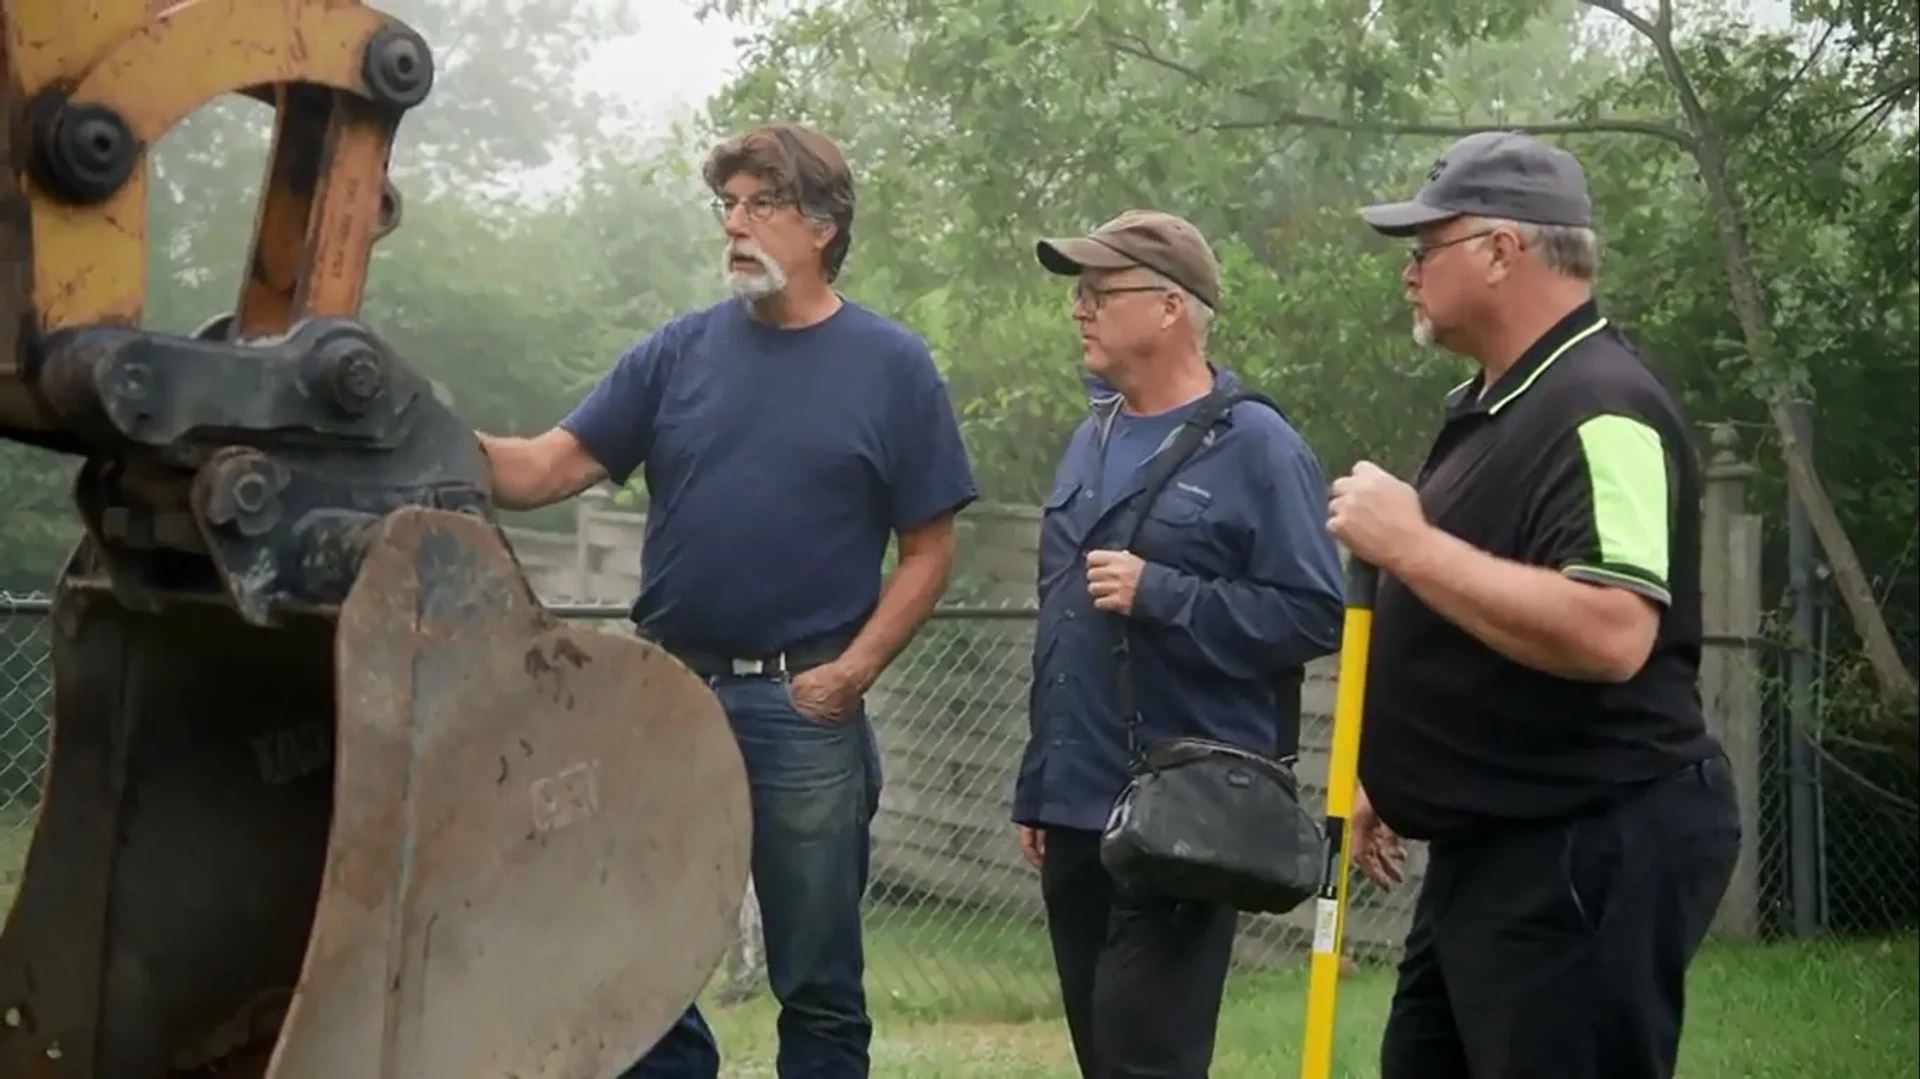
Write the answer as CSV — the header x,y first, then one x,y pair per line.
x,y
1507,174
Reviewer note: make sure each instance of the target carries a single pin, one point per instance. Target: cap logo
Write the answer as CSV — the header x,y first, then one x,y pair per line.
x,y
1439,167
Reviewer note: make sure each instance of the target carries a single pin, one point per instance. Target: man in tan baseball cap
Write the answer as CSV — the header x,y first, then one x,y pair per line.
x,y
1161,242
1146,291
1228,587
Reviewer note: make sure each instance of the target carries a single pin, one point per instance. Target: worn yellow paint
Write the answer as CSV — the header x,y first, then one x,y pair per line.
x,y
155,69
52,41
200,50
89,260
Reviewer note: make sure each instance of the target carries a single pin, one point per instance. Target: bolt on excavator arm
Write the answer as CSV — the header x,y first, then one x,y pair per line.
x,y
331,793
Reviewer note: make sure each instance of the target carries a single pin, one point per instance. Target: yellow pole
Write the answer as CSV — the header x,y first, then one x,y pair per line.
x,y
1343,766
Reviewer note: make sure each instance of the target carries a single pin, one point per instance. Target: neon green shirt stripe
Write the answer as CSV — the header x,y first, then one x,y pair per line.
x,y
1627,468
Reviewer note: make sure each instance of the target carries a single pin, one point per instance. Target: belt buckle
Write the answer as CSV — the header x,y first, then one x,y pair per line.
x,y
748,668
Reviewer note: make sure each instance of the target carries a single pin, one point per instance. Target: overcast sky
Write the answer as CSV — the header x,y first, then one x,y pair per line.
x,y
673,64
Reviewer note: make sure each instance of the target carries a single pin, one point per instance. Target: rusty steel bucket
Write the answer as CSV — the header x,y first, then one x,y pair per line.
x,y
437,834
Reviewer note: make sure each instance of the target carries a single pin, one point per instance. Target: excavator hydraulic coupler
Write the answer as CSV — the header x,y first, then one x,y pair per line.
x,y
331,794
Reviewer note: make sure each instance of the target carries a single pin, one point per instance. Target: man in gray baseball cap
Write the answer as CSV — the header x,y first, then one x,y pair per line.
x,y
1500,174
1546,564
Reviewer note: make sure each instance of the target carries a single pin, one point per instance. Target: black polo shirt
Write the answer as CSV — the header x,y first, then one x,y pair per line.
x,y
1579,459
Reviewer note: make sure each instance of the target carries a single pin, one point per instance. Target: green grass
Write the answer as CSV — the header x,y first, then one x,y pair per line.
x,y
965,998
971,996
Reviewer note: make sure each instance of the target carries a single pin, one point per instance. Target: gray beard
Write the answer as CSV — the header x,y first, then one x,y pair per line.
x,y
754,287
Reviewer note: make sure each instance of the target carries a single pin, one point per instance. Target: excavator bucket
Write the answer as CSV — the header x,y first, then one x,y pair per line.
x,y
331,795
447,836
517,797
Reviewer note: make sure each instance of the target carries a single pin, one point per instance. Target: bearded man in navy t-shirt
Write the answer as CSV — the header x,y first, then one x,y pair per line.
x,y
786,436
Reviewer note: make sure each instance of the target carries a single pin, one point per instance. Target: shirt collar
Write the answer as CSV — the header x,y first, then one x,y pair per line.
x,y
1579,324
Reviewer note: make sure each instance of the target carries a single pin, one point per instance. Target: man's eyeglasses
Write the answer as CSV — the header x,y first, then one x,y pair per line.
x,y
759,207
1094,298
1418,254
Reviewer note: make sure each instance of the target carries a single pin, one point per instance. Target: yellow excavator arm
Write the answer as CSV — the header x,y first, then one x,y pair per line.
x,y
331,794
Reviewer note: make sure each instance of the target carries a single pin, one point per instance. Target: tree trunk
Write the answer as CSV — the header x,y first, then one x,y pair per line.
x,y
1856,591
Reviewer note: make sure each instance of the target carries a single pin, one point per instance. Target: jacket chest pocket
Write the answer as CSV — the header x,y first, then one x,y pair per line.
x,y
1180,530
1179,506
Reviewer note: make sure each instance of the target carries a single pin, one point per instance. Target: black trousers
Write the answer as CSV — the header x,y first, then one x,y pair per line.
x,y
1141,976
1560,951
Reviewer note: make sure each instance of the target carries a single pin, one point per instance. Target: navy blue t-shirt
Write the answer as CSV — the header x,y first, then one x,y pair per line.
x,y
1131,440
778,465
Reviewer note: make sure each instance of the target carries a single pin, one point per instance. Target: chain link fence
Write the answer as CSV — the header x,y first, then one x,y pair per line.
x,y
26,693
955,925
1839,788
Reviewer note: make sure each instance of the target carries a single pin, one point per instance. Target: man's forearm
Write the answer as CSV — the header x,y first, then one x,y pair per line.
x,y
523,477
1533,615
907,599
1242,629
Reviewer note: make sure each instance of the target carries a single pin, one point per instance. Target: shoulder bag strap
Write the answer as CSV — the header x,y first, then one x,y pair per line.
x,y
1191,434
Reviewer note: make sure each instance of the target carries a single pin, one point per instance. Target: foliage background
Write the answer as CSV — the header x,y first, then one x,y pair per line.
x,y
977,125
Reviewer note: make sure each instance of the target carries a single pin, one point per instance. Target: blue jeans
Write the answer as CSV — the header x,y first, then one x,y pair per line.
x,y
815,789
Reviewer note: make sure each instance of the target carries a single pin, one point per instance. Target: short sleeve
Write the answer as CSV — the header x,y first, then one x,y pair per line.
x,y
615,420
929,472
1602,508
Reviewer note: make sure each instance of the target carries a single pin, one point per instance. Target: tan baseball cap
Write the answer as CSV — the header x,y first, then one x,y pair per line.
x,y
1149,238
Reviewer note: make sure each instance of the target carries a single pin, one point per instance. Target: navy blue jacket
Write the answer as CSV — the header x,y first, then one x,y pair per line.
x,y
1242,581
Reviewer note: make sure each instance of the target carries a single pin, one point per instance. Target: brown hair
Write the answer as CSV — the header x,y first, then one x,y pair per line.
x,y
798,163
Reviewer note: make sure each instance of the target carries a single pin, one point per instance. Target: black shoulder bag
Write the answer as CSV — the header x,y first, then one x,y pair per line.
x,y
1202,819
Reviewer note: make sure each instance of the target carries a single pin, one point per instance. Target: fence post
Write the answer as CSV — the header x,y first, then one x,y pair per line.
x,y
1730,669
585,506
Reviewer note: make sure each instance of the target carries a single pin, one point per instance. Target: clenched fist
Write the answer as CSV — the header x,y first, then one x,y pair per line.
x,y
1376,515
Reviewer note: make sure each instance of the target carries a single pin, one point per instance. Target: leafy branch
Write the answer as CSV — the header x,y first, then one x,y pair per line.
x,y
1277,117
1749,309
1701,138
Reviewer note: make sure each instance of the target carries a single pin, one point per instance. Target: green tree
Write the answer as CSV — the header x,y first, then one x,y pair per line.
x,y
980,126
1268,120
